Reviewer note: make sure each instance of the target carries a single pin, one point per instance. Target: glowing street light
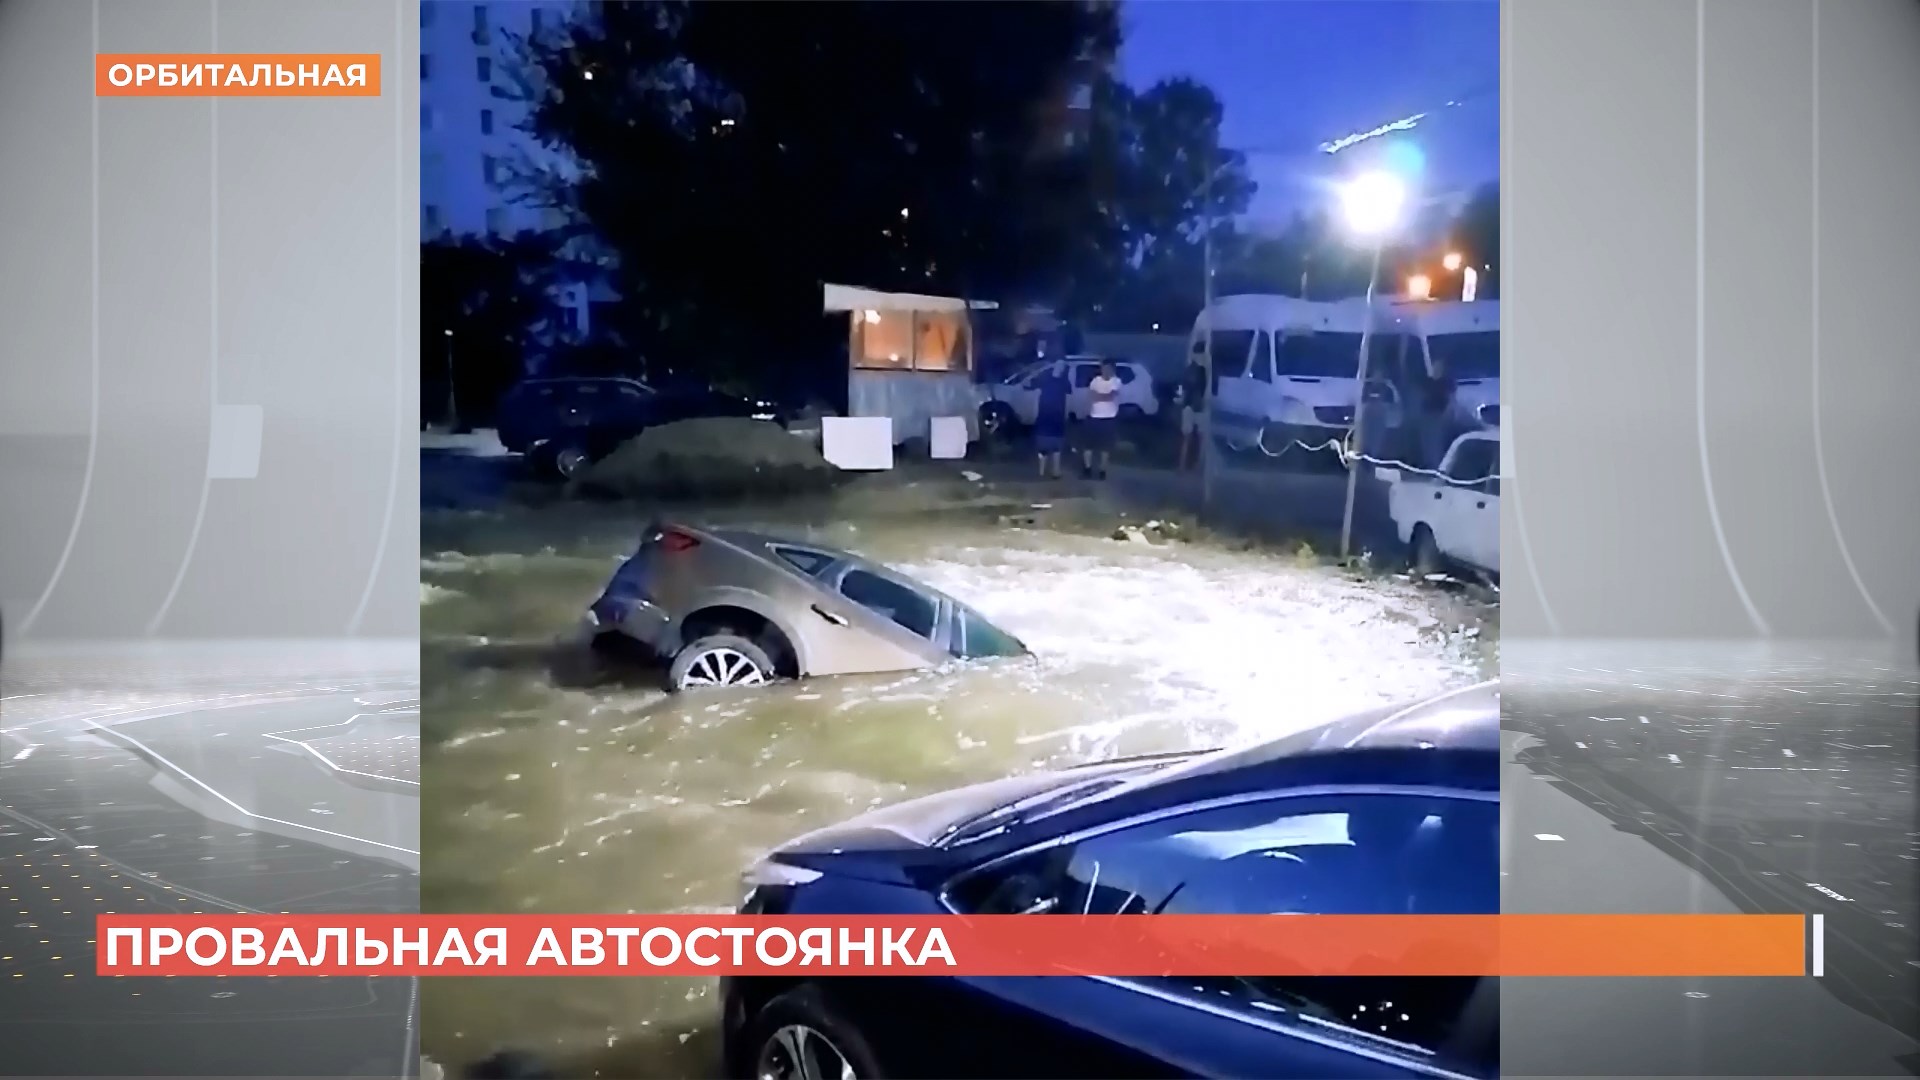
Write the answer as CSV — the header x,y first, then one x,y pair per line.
x,y
1452,261
1373,204
1419,287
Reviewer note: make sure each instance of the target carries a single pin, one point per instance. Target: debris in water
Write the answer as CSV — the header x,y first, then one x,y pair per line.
x,y
973,476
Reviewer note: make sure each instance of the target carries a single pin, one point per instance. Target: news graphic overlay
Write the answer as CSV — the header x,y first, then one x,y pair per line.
x,y
206,551
998,945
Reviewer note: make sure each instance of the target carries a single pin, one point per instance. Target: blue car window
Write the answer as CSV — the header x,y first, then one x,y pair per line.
x,y
1371,854
1360,854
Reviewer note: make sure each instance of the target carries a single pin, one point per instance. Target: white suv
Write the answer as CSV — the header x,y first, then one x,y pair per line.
x,y
1453,518
1016,399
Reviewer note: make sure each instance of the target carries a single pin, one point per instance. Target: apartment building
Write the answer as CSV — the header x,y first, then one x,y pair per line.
x,y
475,158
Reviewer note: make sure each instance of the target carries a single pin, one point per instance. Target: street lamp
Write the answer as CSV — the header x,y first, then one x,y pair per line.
x,y
1372,204
1451,261
1419,287
453,405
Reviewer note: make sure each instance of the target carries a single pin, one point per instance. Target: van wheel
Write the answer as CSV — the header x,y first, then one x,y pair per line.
x,y
1426,558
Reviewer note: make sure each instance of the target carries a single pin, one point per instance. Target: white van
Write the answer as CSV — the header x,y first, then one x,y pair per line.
x,y
1463,337
1287,370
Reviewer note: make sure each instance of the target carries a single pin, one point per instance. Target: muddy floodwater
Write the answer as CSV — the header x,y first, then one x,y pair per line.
x,y
556,783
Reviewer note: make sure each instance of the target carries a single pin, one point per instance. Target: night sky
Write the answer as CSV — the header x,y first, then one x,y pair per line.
x,y
1298,73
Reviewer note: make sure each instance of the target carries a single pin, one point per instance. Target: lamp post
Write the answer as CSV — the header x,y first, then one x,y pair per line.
x,y
453,402
1372,203
1206,314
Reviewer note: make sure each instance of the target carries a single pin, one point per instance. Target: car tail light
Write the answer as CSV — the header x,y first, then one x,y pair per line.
x,y
673,540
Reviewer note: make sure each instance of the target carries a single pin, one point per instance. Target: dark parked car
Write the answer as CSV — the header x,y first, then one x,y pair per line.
x,y
728,607
564,424
1392,811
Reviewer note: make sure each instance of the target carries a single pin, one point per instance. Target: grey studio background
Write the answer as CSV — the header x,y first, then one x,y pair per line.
x,y
208,326
1712,247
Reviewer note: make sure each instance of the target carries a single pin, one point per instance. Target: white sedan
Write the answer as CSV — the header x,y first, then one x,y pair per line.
x,y
1016,399
1453,519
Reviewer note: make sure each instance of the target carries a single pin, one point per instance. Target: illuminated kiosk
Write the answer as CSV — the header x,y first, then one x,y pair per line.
x,y
909,359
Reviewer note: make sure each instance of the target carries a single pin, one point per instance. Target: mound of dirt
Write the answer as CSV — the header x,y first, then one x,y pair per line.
x,y
711,458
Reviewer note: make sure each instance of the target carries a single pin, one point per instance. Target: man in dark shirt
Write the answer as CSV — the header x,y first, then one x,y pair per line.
x,y
1193,401
1436,415
1050,420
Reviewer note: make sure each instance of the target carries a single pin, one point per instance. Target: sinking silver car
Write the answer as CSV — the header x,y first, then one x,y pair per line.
x,y
726,607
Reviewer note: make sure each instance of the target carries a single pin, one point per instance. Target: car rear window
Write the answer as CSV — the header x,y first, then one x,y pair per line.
x,y
810,563
1474,461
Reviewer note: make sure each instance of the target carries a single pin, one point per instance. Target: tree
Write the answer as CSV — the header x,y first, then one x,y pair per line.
x,y
1165,176
736,156
482,304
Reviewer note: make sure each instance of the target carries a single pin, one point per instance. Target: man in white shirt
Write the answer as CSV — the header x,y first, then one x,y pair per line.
x,y
1103,417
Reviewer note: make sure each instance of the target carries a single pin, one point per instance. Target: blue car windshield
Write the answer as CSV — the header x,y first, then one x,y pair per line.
x,y
1050,801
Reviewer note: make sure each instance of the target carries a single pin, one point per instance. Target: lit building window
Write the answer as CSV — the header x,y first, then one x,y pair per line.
x,y
910,341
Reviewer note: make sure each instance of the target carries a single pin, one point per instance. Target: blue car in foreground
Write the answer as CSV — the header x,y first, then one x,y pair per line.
x,y
1394,811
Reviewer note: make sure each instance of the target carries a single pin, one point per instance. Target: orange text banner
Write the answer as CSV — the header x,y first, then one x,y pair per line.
x,y
236,75
1007,945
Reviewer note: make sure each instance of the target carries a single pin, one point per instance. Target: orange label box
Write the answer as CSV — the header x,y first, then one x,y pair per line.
x,y
236,75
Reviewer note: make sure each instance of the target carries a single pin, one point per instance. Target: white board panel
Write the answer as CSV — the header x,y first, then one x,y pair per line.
x,y
858,443
947,438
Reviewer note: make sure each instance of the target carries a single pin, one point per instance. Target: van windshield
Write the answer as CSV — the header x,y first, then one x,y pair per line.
x,y
1335,355
1474,355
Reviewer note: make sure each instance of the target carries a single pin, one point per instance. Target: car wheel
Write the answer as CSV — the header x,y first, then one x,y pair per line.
x,y
720,660
996,418
570,461
799,1036
1426,552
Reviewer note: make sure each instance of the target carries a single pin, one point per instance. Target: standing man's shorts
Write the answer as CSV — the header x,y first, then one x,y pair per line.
x,y
1098,434
1189,420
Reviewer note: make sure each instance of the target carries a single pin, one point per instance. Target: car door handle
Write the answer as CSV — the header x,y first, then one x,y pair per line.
x,y
837,620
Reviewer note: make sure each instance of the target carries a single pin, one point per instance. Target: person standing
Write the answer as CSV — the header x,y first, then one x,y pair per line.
x,y
1193,402
1436,415
1103,418
1050,420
